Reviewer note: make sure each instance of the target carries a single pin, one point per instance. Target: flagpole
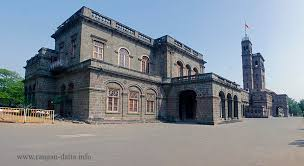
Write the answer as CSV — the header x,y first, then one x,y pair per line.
x,y
245,29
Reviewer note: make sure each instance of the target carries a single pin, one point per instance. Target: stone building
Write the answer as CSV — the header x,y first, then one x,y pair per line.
x,y
263,102
103,70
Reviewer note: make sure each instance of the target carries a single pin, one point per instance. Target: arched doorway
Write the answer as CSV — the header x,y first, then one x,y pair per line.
x,y
236,107
229,99
222,105
279,112
187,105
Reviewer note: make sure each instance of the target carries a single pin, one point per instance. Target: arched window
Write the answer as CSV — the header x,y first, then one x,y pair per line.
x,y
124,57
188,67
180,69
145,66
195,71
151,102
133,101
113,100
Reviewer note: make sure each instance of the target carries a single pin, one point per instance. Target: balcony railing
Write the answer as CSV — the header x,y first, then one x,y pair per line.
x,y
57,66
203,78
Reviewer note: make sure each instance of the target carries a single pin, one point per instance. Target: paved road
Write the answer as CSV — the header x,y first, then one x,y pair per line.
x,y
254,142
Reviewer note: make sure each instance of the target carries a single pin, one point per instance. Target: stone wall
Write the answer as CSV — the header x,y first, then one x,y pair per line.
x,y
99,84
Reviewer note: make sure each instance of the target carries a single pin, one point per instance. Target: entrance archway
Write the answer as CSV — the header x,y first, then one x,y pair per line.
x,y
236,107
187,105
279,112
222,105
229,99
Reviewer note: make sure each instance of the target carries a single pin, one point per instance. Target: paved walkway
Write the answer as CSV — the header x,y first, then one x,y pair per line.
x,y
254,142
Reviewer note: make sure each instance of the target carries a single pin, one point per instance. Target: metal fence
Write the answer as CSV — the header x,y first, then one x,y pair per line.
x,y
25,115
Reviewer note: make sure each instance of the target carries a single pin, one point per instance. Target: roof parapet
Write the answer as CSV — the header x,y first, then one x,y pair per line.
x,y
108,22
105,21
176,43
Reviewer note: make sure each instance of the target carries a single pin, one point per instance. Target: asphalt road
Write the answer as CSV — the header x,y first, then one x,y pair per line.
x,y
253,142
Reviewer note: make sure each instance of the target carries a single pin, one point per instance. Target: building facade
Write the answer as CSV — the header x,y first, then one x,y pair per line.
x,y
263,102
103,70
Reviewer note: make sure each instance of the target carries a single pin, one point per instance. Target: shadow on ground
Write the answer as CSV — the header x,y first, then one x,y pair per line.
x,y
298,143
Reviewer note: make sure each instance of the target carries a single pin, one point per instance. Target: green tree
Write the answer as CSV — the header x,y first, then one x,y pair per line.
x,y
11,86
301,105
294,107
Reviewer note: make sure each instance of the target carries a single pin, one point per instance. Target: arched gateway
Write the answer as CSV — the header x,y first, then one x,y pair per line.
x,y
187,105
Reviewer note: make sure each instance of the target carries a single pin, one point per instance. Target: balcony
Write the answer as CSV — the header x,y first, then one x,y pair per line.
x,y
205,78
58,66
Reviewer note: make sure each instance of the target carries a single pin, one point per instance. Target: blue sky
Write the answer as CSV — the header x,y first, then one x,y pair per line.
x,y
212,27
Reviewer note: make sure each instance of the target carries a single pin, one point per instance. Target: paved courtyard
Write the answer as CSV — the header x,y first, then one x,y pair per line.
x,y
254,142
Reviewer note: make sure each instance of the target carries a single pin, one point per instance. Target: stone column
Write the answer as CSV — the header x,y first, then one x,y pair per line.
x,y
142,107
232,109
226,109
173,109
217,109
205,110
240,110
124,105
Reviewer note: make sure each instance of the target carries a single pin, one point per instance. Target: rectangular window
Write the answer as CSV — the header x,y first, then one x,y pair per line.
x,y
98,50
113,100
150,103
133,101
